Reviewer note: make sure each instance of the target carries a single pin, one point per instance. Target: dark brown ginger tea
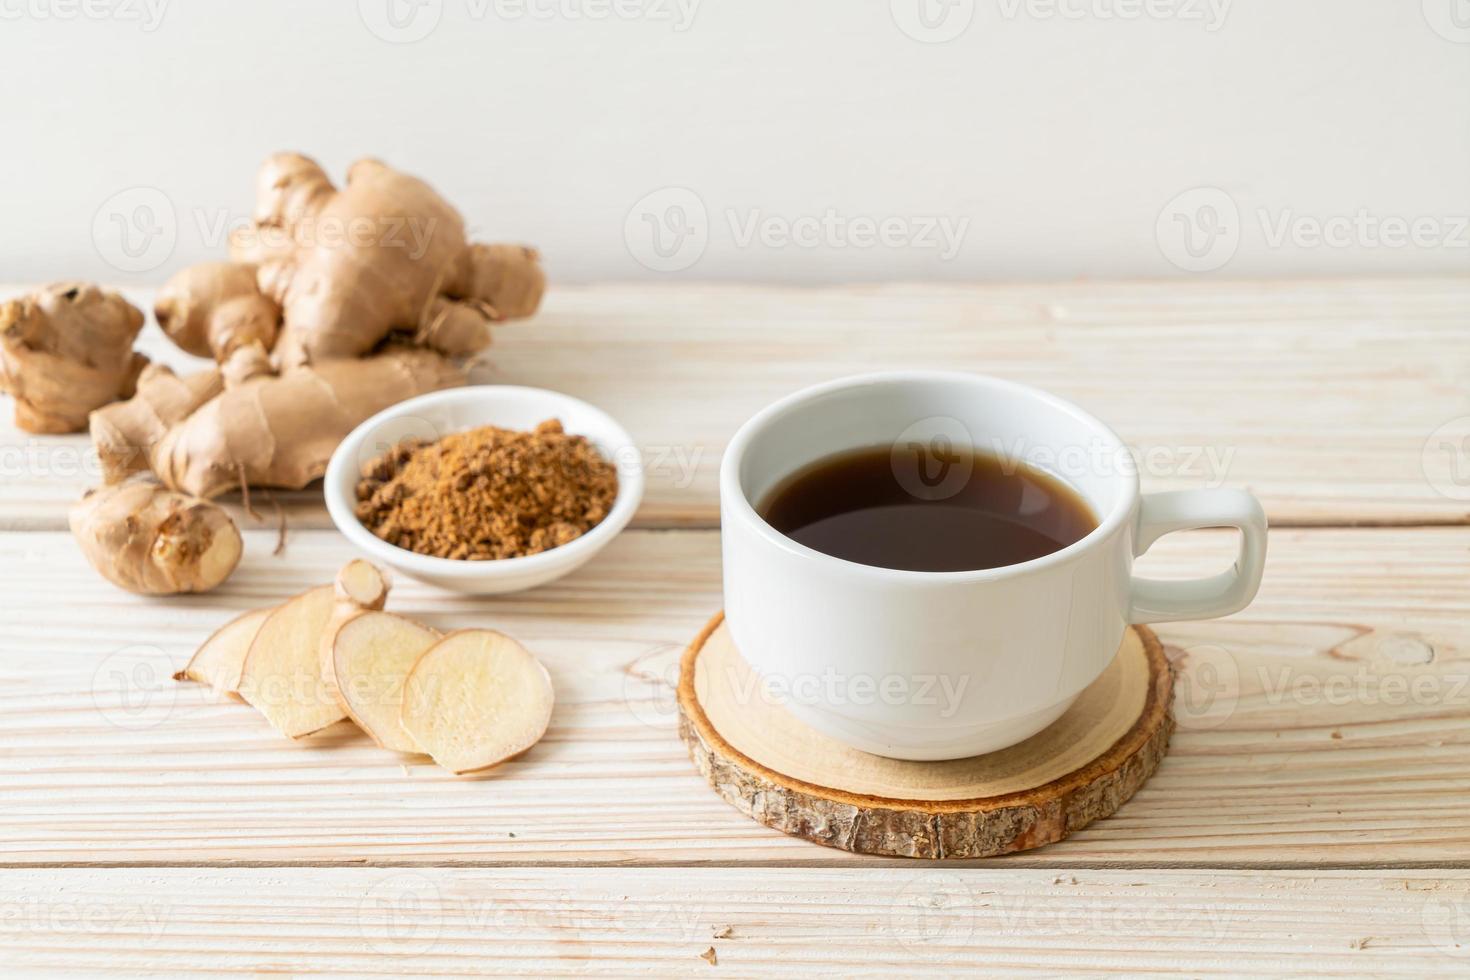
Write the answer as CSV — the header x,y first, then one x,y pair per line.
x,y
928,508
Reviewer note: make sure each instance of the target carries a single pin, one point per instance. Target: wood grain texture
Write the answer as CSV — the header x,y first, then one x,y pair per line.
x,y
1321,397
1328,724
771,767
906,921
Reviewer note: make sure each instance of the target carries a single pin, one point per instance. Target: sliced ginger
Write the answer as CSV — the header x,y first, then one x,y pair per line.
x,y
220,659
282,676
371,656
469,700
475,699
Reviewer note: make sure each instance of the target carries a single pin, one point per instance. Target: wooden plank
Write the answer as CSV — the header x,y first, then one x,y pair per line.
x,y
1329,723
905,919
1321,396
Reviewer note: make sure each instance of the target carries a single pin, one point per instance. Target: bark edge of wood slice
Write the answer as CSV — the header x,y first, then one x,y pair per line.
x,y
1079,769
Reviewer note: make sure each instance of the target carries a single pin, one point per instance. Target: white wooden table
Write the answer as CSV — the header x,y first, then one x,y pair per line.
x,y
1313,814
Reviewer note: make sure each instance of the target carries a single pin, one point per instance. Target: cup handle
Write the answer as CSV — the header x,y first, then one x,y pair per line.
x,y
1161,601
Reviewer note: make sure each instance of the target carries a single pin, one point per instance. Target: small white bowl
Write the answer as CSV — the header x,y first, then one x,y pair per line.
x,y
441,413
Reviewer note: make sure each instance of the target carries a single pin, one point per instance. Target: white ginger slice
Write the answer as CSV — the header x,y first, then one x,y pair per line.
x,y
475,699
282,677
359,586
372,654
220,659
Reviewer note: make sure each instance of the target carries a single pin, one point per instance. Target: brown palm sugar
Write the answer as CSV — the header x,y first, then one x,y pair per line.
x,y
487,493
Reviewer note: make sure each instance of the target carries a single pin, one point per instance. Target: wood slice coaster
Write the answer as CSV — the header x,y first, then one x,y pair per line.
x,y
781,773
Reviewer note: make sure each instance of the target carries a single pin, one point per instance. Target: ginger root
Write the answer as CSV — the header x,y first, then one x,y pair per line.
x,y
279,431
67,349
124,433
384,253
146,539
214,308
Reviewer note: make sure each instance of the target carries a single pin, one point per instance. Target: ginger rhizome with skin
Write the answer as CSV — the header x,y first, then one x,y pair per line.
x,y
384,253
66,349
147,539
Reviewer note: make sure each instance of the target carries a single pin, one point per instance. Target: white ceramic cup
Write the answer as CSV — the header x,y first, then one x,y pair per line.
x,y
943,665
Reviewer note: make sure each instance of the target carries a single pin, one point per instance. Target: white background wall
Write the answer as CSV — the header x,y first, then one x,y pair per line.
x,y
1052,137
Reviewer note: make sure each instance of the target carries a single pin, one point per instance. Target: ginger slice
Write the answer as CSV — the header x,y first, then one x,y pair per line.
x,y
220,659
282,677
371,655
475,699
